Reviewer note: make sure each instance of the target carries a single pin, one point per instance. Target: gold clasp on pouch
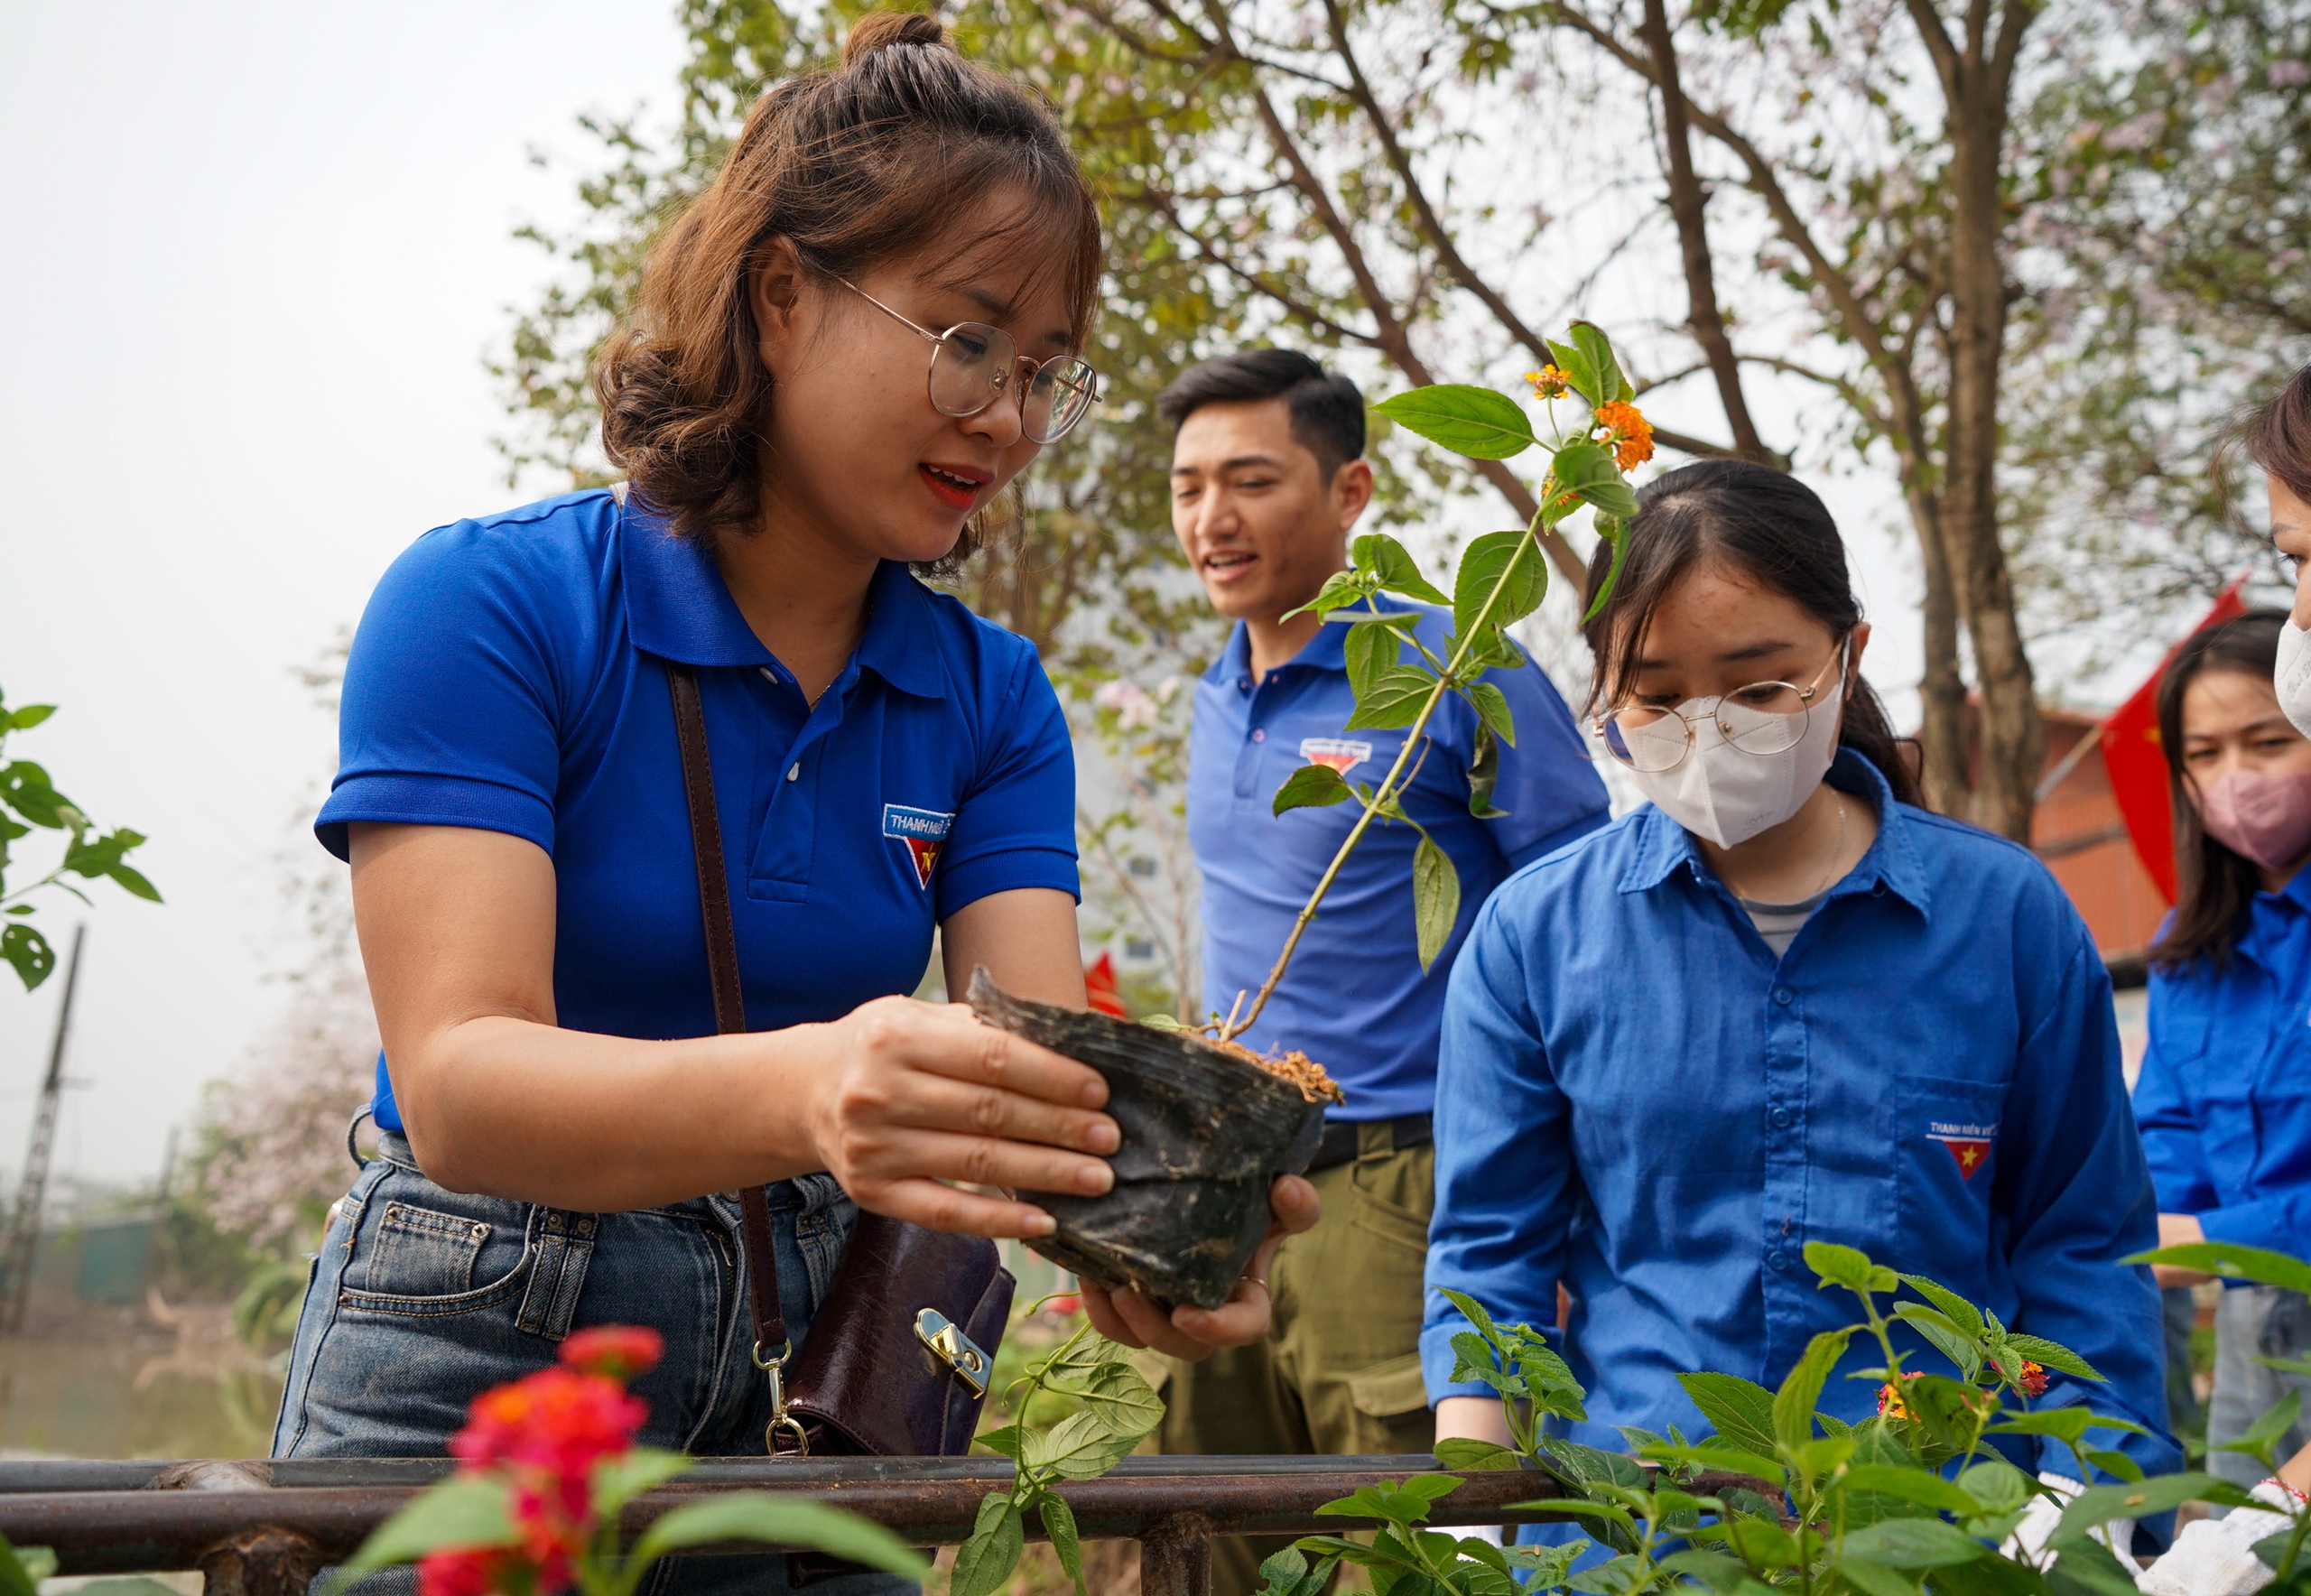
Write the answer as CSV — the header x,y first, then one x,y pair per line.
x,y
775,1367
956,1350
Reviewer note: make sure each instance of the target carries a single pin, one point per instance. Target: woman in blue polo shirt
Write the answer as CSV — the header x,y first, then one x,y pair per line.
x,y
1778,1003
2224,1096
798,433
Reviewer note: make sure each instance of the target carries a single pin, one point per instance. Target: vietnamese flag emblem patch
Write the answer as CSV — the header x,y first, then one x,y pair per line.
x,y
921,831
1340,753
1968,1144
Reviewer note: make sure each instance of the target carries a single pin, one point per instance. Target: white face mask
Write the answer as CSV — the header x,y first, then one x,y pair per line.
x,y
2292,679
1728,794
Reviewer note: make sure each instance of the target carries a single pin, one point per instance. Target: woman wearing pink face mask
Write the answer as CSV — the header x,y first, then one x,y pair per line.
x,y
2224,1100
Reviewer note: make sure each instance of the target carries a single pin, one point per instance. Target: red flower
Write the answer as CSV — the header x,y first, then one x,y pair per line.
x,y
557,1419
2033,1382
1064,1306
470,1571
1890,1400
617,1352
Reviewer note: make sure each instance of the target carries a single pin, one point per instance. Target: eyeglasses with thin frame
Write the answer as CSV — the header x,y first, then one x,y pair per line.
x,y
1762,719
972,366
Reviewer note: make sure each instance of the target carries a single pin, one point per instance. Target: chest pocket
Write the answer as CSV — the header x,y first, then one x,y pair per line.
x,y
1945,1158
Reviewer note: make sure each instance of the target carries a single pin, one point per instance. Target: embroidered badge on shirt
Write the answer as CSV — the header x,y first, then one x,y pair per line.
x,y
924,830
1968,1144
1343,756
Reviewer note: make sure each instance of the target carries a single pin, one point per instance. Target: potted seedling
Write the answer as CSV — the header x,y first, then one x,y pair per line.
x,y
1207,1124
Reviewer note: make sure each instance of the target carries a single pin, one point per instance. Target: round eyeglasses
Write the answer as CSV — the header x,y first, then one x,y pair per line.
x,y
1763,717
973,364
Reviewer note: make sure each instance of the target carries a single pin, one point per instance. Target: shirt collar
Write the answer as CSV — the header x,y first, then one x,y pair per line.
x,y
678,607
1892,860
1326,651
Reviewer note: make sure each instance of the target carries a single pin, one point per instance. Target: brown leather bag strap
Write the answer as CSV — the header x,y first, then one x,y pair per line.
x,y
729,999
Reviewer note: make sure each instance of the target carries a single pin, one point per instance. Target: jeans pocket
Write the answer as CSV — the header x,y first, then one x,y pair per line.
x,y
417,1252
421,1252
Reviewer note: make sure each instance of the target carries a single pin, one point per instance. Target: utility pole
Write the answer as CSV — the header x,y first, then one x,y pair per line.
x,y
23,1237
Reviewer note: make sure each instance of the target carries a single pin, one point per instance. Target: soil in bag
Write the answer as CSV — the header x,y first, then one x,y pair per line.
x,y
1205,1131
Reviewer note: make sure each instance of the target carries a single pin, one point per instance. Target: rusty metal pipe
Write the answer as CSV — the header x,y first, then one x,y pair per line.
x,y
151,1531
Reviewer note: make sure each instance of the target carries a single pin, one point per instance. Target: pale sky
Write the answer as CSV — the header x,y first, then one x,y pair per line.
x,y
256,254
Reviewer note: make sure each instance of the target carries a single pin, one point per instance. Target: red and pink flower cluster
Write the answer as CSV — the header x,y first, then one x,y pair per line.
x,y
544,1434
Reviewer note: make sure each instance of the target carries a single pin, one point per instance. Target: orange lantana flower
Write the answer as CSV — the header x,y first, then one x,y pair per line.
x,y
1548,383
1622,427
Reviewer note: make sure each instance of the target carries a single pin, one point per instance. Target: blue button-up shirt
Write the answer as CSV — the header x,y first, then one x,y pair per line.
x,y
2224,1096
508,675
1639,1100
1355,998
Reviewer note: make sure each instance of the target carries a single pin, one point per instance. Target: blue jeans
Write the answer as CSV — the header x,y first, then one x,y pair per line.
x,y
2254,1322
424,1298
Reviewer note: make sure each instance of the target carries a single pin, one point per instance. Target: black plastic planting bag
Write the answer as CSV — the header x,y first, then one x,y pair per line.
x,y
1204,1134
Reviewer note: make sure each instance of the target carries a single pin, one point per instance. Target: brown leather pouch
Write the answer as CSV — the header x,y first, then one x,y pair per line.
x,y
901,1351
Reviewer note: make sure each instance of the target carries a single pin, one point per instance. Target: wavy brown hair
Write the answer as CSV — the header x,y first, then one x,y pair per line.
x,y
907,148
2214,885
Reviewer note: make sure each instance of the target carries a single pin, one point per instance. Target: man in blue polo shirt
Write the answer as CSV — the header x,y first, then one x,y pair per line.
x,y
1267,479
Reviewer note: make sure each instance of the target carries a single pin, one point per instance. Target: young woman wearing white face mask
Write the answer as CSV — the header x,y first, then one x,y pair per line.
x,y
2224,1100
1778,1005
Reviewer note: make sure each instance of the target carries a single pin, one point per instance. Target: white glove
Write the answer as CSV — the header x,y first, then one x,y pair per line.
x,y
2216,1556
2039,1518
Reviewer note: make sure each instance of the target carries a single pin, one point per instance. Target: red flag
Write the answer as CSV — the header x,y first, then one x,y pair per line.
x,y
2137,765
1100,986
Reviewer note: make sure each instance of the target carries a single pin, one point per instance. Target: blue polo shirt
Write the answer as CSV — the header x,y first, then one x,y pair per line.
x,y
1639,1101
508,674
1355,998
2224,1096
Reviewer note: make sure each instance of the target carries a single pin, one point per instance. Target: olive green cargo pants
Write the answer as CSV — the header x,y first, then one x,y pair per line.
x,y
1340,1372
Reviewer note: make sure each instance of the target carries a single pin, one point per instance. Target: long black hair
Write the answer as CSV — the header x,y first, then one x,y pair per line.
x,y
1771,528
2215,882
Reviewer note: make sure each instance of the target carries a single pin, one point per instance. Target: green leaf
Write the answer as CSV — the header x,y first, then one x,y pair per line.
x,y
28,953
2052,1355
1436,898
1597,349
1609,527
1395,699
1081,1446
1946,1337
1492,705
1007,1440
2113,1462
1059,1523
1475,1455
2259,1438
21,1568
2090,1569
1473,422
1874,1579
1579,371
1117,1394
1511,557
2069,1423
136,884
780,1520
1801,1393
1371,647
1740,1410
1910,1484
1340,589
2231,1261
1848,1267
984,1561
1484,775
1962,1312
1312,786
1913,1543
30,716
463,1510
2093,1509
1474,1312
1587,472
1763,1541
617,1480
1998,1486
1715,1571
1395,567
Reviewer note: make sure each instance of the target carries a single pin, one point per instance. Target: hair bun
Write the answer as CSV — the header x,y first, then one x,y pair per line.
x,y
880,30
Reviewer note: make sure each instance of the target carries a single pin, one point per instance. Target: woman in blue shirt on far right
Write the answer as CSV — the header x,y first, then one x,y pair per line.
x,y
2225,1098
1778,1003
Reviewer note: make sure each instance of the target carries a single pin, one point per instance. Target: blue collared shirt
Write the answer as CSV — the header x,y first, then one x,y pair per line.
x,y
509,675
1355,998
2224,1096
1637,1099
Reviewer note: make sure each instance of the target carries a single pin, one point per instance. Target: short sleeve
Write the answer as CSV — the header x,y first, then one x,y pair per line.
x,y
1016,825
448,711
1548,786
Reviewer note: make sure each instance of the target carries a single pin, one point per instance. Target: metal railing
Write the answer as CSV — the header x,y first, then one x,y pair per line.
x,y
265,1528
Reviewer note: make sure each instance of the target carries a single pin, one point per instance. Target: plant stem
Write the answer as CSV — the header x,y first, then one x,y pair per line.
x,y
1387,787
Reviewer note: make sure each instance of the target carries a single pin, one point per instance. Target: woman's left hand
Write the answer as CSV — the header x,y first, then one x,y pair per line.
x,y
2179,1230
1123,1316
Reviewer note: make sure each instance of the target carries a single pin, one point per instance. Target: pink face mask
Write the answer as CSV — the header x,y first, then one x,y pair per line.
x,y
2267,818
